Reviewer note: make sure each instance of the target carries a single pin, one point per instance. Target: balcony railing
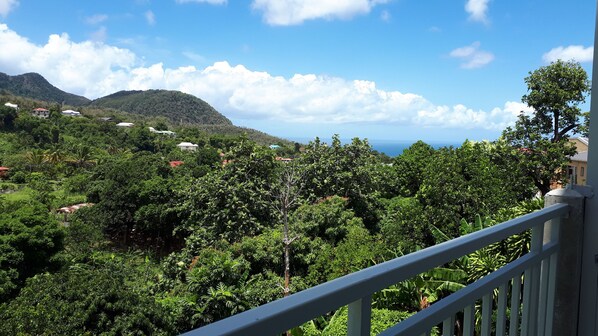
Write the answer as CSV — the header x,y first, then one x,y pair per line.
x,y
529,312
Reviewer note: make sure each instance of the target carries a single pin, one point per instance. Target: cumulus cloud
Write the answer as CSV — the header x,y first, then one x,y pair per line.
x,y
150,18
573,52
94,69
472,57
292,12
96,18
211,2
477,10
88,68
6,6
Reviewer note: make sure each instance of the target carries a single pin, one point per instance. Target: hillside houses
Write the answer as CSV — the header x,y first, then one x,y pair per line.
x,y
187,146
41,113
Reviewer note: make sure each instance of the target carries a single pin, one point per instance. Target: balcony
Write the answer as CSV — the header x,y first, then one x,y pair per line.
x,y
521,296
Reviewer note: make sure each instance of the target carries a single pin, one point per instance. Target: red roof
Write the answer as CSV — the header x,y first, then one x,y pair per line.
x,y
175,163
4,168
40,109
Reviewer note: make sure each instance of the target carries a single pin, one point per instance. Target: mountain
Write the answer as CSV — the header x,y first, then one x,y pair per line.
x,y
176,106
33,85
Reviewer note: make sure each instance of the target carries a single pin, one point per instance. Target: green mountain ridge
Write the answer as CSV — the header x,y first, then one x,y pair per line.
x,y
176,106
35,86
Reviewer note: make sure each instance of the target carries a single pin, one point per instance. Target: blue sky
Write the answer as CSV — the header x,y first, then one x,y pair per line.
x,y
382,69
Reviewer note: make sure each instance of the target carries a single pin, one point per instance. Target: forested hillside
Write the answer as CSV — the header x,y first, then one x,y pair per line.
x,y
33,85
176,106
166,240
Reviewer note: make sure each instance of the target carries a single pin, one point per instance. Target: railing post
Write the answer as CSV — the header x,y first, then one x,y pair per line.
x,y
359,317
568,272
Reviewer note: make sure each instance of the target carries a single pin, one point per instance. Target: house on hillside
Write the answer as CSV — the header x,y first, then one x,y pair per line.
x,y
14,106
187,146
169,133
41,112
174,164
578,166
4,172
71,113
125,124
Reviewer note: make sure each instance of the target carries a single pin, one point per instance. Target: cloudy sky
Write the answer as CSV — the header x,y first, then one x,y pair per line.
x,y
435,70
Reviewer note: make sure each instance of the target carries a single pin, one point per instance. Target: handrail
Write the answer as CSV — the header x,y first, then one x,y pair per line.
x,y
284,314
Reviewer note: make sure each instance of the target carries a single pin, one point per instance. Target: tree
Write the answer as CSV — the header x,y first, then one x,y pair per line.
x,y
287,195
29,239
554,92
83,301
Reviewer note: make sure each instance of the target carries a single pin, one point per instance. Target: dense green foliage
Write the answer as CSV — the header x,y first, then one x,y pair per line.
x,y
33,85
171,240
176,106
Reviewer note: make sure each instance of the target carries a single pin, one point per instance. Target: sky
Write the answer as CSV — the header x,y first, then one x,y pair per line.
x,y
397,70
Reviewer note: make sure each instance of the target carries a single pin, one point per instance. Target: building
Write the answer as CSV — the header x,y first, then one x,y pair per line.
x,y
41,112
169,133
187,146
14,106
125,124
71,113
4,172
578,166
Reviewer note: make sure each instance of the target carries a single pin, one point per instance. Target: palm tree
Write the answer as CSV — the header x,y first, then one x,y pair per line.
x,y
82,156
35,159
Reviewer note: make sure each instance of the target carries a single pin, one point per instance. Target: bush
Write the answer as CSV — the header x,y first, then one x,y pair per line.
x,y
18,177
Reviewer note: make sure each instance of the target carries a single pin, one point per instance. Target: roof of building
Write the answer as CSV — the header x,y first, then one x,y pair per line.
x,y
9,104
175,163
187,144
40,109
125,124
73,208
4,168
71,112
581,156
584,140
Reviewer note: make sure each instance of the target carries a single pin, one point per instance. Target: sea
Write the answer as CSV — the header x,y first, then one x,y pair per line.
x,y
395,148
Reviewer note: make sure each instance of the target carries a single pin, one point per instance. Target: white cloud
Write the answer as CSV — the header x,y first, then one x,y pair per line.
x,y
572,52
211,2
94,69
472,56
292,12
95,19
6,6
87,68
150,18
477,10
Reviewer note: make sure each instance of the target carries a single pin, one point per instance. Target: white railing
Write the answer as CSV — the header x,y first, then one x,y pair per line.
x,y
529,313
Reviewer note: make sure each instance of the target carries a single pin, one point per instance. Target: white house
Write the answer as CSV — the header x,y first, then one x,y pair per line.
x,y
187,146
71,113
169,133
125,124
14,106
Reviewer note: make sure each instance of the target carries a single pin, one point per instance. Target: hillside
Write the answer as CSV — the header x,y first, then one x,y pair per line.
x,y
177,107
33,85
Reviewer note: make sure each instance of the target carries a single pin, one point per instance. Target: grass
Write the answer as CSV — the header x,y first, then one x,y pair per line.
x,y
61,197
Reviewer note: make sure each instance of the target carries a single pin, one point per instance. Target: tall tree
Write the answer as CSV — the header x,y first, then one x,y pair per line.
x,y
541,138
